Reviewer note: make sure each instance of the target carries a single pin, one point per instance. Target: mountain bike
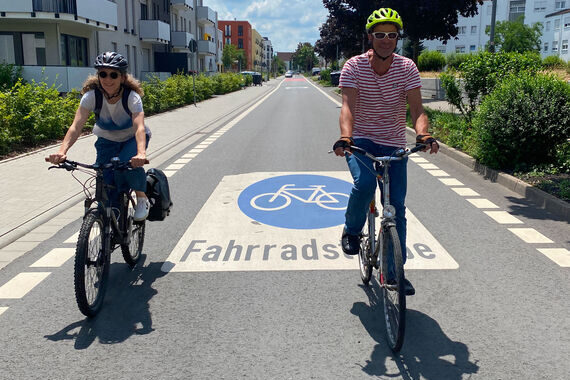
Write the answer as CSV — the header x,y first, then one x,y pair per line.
x,y
374,250
104,228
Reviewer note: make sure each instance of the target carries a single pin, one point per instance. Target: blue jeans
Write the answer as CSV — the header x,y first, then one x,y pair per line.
x,y
134,179
364,187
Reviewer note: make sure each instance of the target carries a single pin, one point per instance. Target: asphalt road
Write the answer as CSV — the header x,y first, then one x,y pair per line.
x,y
226,291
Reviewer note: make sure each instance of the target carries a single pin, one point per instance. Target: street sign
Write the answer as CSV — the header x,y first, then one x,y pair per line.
x,y
193,46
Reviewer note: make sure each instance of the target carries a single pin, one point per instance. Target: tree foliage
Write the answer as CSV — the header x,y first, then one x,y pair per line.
x,y
423,19
231,54
515,36
304,57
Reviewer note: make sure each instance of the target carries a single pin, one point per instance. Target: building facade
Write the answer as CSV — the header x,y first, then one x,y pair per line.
x,y
239,34
267,54
554,15
58,40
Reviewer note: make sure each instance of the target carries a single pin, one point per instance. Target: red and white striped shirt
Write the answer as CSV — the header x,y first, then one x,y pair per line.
x,y
380,113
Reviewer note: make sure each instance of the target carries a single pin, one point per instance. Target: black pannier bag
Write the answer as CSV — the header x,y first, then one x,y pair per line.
x,y
158,194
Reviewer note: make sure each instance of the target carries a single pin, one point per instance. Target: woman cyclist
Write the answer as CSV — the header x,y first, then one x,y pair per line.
x,y
119,126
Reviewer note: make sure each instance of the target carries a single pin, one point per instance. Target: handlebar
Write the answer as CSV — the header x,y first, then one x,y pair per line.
x,y
73,165
396,156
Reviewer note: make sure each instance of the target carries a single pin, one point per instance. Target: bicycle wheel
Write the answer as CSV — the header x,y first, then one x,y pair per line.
x,y
393,289
132,251
92,260
367,250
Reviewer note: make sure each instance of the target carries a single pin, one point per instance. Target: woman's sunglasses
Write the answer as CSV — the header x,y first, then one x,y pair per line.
x,y
382,35
113,75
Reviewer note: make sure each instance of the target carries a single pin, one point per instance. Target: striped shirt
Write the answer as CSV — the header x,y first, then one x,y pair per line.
x,y
380,113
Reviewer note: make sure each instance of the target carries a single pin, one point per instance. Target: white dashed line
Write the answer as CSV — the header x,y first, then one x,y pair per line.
x,y
503,217
465,191
482,203
451,182
418,159
190,155
438,173
21,284
54,258
73,238
169,173
428,166
175,166
530,235
3,309
560,256
183,161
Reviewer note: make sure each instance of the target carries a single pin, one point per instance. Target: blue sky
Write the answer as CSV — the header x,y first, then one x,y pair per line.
x,y
284,22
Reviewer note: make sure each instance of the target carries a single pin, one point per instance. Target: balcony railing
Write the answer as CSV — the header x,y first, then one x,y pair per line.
x,y
206,15
154,31
63,77
182,4
206,47
180,40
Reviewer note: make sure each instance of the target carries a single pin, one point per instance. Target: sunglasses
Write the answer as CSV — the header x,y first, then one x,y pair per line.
x,y
382,35
113,75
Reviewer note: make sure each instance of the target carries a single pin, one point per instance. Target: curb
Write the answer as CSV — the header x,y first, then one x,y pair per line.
x,y
541,199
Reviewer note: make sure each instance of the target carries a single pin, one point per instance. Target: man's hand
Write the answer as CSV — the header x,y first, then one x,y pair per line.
x,y
138,160
429,142
57,158
341,145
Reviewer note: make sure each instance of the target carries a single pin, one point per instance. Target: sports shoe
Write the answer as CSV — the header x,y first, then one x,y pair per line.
x,y
409,288
350,243
141,210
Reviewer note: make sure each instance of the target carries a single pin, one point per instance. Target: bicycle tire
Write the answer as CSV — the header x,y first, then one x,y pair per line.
x,y
91,269
394,295
132,251
365,254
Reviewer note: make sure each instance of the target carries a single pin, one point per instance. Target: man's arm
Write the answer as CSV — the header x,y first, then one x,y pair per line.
x,y
346,120
419,118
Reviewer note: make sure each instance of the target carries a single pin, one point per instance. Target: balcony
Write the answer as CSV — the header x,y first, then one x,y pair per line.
x,y
154,31
182,4
98,14
64,78
181,40
206,16
206,47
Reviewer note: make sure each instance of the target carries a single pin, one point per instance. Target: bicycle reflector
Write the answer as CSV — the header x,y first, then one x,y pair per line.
x,y
389,212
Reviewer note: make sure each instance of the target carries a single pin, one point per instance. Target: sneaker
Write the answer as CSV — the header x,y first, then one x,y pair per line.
x,y
350,243
141,210
410,291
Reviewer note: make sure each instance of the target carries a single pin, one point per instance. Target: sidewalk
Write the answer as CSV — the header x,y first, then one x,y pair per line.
x,y
30,195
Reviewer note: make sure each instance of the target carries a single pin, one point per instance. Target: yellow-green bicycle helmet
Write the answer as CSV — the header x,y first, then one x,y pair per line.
x,y
384,15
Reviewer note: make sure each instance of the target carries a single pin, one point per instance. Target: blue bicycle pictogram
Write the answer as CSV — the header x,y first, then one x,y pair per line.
x,y
299,201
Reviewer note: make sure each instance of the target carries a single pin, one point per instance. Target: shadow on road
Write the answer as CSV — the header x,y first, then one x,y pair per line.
x,y
125,310
427,353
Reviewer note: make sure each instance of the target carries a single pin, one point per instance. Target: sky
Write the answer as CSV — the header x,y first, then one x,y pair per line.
x,y
284,22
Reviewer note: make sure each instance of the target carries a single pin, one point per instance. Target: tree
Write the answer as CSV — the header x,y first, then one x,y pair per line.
x,y
328,46
231,54
515,36
423,19
278,66
304,57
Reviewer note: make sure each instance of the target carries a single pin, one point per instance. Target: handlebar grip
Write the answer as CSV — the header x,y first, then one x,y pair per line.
x,y
417,148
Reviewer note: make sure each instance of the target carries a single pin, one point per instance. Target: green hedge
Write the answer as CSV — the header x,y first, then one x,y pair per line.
x,y
431,60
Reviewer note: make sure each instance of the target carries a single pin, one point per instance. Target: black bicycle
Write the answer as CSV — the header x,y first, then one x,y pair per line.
x,y
104,228
374,250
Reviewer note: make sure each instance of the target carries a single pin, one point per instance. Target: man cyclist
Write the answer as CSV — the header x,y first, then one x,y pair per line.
x,y
375,88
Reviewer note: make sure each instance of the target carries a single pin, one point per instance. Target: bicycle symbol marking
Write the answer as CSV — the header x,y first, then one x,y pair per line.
x,y
283,197
296,201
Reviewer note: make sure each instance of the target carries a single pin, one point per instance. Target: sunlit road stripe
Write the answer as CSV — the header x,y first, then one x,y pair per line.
x,y
530,235
560,256
438,173
169,173
451,182
73,238
54,258
182,161
175,166
465,191
503,217
3,309
21,284
418,159
482,203
428,166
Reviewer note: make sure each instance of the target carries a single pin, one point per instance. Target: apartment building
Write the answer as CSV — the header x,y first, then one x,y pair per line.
x,y
239,34
257,50
553,14
267,53
58,40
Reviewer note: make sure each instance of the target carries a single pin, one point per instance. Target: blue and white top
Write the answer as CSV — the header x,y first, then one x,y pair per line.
x,y
114,122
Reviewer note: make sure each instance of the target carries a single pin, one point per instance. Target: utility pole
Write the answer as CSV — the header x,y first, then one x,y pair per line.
x,y
492,34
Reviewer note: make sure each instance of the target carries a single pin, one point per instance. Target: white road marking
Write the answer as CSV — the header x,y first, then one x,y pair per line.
x,y
21,284
428,166
183,161
169,173
451,182
174,167
296,87
530,235
223,238
190,155
54,258
503,217
195,150
465,191
438,173
325,94
418,159
560,256
2,310
73,238
482,203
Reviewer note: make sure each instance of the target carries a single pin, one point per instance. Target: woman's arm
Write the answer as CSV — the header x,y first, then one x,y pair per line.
x,y
140,136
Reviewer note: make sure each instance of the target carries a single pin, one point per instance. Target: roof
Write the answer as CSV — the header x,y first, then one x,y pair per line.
x,y
284,56
558,13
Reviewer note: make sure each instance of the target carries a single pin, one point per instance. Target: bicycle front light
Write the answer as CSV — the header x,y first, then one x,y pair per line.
x,y
389,212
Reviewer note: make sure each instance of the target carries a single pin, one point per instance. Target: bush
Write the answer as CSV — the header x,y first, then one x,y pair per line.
x,y
9,75
431,60
454,60
522,122
553,62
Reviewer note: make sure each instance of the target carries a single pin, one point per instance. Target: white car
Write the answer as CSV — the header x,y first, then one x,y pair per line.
x,y
289,74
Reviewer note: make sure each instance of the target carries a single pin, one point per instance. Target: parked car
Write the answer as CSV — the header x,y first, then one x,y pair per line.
x,y
316,70
289,74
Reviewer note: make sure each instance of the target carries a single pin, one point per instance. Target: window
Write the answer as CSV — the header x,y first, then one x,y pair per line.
x,y
556,24
240,30
566,22
540,6
144,12
474,29
564,48
460,49
560,4
228,41
548,26
462,29
228,30
134,69
74,51
441,49
546,47
240,43
516,9
128,50
472,48
554,46
7,50
114,46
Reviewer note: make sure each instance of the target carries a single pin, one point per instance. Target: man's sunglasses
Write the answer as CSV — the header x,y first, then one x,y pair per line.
x,y
113,75
382,35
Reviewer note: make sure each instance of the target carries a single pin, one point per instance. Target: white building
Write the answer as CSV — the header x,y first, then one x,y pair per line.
x,y
58,40
553,14
267,54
